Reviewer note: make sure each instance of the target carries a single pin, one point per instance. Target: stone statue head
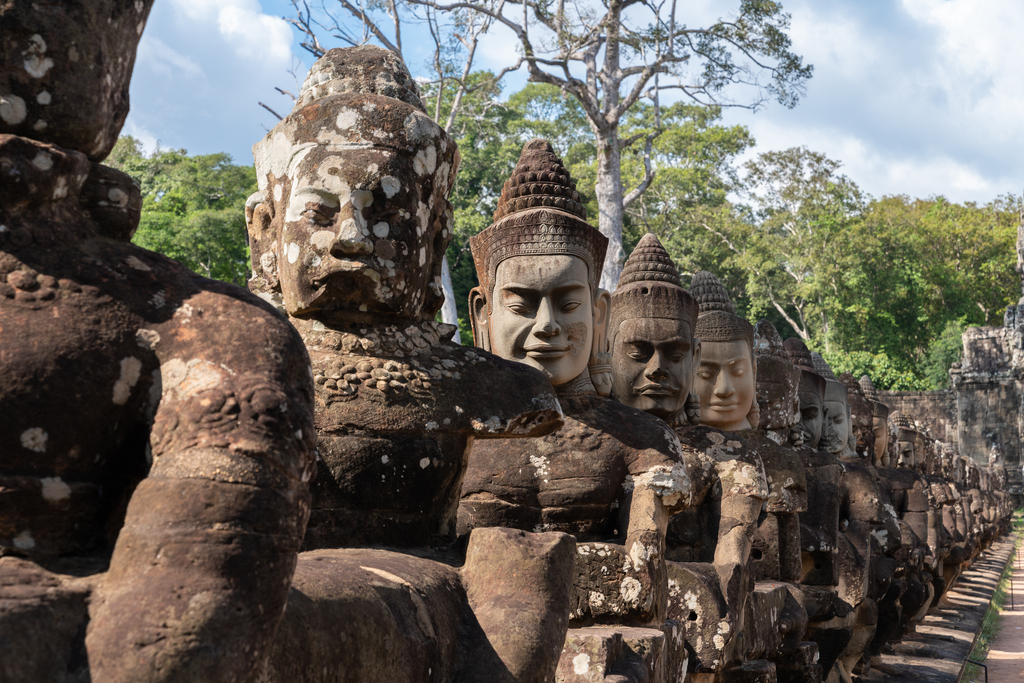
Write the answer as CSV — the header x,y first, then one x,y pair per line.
x,y
906,440
65,70
812,391
654,352
836,429
351,219
861,441
778,381
726,379
880,430
539,265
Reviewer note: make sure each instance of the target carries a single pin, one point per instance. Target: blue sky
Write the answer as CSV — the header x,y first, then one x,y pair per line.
x,y
919,97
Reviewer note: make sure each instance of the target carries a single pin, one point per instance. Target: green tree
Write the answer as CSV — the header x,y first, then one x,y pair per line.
x,y
193,207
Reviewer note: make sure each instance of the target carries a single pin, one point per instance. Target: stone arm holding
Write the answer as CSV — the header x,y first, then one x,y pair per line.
x,y
200,573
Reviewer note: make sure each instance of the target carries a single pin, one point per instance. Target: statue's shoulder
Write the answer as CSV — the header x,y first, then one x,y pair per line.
x,y
647,440
397,378
715,443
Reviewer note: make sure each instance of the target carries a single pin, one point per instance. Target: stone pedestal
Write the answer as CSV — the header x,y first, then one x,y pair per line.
x,y
597,654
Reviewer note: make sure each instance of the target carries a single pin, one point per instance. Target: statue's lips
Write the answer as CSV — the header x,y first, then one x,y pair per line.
x,y
722,406
546,352
338,266
656,390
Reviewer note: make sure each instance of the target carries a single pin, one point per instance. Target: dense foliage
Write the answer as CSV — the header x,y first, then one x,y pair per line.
x,y
193,207
881,286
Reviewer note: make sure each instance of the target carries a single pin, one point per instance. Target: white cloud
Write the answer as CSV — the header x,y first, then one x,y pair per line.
x,y
166,61
919,98
249,32
148,139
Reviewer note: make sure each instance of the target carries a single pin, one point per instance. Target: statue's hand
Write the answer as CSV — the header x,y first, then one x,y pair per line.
x,y
600,370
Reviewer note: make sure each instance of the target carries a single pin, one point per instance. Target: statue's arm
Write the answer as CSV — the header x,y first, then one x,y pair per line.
x,y
200,573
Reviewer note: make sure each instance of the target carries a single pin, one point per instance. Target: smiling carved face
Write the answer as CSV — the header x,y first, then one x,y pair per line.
x,y
726,385
541,314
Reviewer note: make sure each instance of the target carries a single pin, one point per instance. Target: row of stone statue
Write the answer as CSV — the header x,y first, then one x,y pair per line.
x,y
314,483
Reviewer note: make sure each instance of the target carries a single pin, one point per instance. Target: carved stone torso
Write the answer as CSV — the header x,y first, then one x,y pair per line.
x,y
397,408
92,337
574,480
722,465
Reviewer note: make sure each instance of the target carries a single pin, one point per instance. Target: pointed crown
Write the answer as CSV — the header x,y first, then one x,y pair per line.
x,y
768,342
539,213
649,287
822,367
800,356
365,69
868,387
718,321
778,380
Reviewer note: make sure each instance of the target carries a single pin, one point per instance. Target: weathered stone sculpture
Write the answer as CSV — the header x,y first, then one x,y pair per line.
x,y
347,234
727,516
836,424
871,528
830,618
612,474
879,424
157,432
776,551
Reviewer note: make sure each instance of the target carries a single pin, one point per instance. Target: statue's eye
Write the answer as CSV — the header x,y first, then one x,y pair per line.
x,y
318,215
570,306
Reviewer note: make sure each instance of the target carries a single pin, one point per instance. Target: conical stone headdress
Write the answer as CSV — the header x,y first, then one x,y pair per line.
x,y
649,287
822,367
718,321
778,380
539,213
800,356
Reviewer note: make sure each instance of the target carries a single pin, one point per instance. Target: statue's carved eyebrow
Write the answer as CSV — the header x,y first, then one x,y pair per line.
x,y
525,290
638,338
325,196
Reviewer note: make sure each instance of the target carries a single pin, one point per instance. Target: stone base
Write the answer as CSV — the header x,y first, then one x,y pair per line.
x,y
625,654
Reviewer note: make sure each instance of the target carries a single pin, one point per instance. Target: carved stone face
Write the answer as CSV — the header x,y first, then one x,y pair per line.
x,y
880,428
905,456
725,382
355,227
837,420
653,361
541,314
812,416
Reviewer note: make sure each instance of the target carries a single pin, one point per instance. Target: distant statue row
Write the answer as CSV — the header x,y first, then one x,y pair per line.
x,y
312,482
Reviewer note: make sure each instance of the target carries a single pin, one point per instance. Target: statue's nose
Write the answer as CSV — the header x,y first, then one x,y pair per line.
x,y
350,240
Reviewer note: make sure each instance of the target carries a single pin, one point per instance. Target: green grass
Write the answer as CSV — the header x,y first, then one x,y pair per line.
x,y
990,625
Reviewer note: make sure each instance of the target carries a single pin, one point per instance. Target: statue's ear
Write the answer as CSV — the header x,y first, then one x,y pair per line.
x,y
600,364
478,318
602,312
259,218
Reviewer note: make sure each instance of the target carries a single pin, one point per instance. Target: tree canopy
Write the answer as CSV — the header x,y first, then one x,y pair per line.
x,y
193,207
880,286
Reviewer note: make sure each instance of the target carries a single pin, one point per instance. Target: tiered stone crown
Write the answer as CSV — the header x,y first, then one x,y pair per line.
x,y
539,213
539,180
366,69
822,367
768,342
710,294
902,421
798,354
650,288
718,321
868,387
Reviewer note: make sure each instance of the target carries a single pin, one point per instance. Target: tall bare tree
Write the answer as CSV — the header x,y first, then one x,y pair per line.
x,y
609,55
